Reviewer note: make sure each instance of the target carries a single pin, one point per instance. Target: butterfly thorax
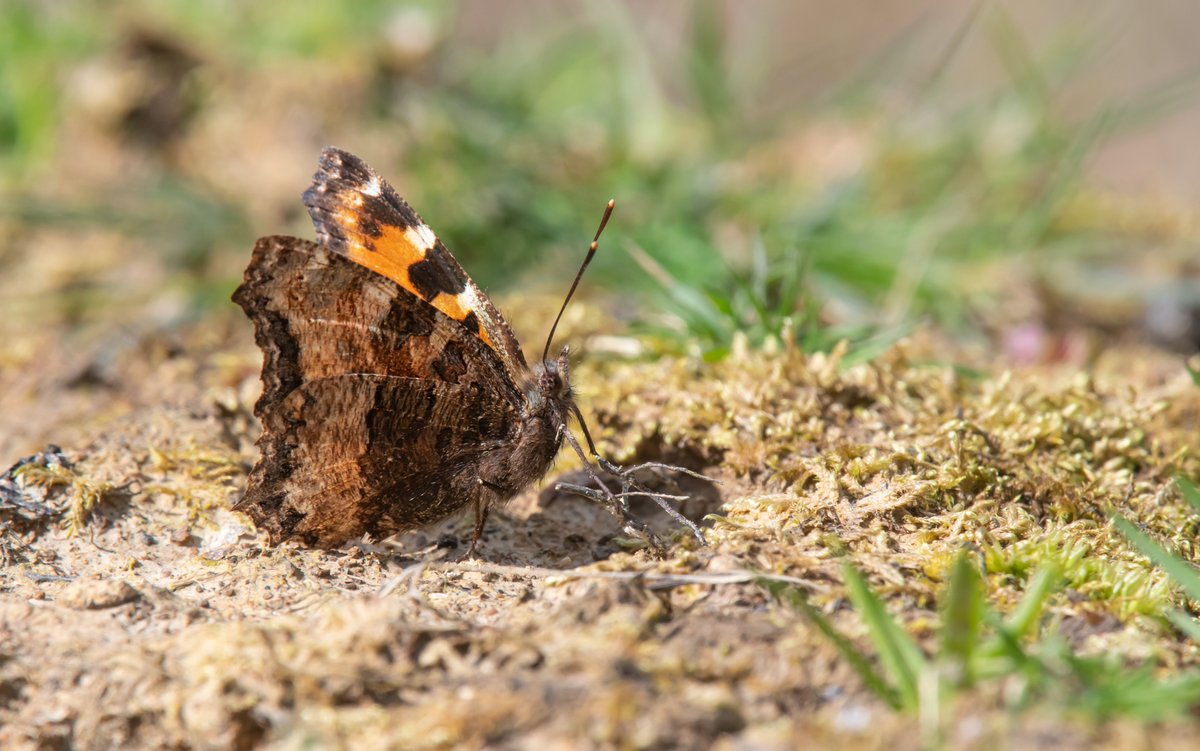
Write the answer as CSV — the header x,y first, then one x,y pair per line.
x,y
540,435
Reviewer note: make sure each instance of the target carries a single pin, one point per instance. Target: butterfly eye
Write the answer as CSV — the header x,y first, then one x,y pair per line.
x,y
550,382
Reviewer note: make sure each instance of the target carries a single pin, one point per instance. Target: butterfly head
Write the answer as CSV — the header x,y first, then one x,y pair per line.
x,y
553,381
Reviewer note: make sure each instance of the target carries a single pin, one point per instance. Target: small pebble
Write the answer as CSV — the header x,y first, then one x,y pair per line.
x,y
97,595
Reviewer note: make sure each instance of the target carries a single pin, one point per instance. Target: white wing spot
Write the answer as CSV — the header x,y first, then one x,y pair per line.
x,y
372,188
422,237
469,298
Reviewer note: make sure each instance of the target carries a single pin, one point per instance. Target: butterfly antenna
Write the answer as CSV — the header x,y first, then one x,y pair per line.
x,y
608,210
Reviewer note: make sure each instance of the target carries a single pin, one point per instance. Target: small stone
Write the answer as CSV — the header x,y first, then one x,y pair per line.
x,y
724,563
97,595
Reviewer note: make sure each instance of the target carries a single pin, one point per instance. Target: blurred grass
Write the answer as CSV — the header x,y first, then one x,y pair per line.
x,y
35,48
1178,568
980,658
513,151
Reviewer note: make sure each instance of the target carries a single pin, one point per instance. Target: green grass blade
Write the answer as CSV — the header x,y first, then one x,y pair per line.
x,y
873,344
706,57
1025,617
1106,688
1180,571
900,655
1156,103
1185,623
699,312
1006,645
1194,373
962,617
793,271
1189,491
797,600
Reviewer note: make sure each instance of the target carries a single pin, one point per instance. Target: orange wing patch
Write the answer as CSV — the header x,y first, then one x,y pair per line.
x,y
358,215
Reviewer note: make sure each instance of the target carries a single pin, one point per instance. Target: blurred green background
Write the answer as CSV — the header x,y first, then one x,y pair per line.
x,y
1017,176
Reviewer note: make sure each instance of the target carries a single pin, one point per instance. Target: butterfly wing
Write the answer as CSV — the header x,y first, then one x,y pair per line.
x,y
376,407
358,215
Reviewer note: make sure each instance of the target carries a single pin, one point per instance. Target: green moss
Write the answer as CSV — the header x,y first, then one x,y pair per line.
x,y
906,464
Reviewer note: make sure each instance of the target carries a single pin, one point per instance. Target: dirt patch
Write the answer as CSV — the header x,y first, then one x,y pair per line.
x,y
160,621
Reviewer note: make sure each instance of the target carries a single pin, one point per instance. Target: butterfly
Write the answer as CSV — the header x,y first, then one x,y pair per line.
x,y
394,393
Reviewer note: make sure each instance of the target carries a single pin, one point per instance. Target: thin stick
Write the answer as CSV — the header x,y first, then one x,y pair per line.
x,y
652,577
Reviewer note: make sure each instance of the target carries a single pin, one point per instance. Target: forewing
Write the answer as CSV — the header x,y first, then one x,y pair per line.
x,y
358,215
316,314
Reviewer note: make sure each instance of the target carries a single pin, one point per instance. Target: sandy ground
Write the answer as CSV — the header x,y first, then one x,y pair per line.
x,y
156,618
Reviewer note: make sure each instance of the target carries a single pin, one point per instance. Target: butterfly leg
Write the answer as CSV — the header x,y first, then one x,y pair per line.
x,y
629,485
481,514
617,505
